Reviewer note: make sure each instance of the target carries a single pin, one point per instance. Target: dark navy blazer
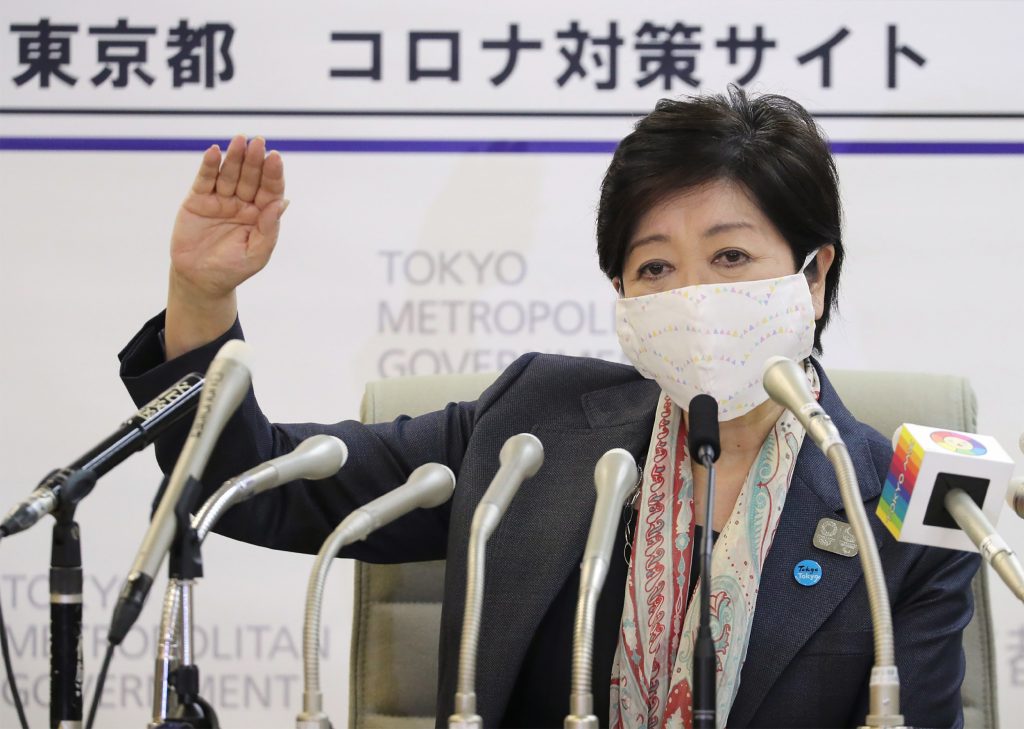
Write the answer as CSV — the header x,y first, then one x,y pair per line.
x,y
810,648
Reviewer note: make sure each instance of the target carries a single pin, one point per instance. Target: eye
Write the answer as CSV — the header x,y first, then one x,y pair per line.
x,y
731,257
652,270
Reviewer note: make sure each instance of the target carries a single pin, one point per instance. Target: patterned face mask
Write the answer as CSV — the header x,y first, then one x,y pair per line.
x,y
715,338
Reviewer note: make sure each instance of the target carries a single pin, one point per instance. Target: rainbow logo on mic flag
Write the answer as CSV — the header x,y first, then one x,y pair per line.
x,y
899,484
926,464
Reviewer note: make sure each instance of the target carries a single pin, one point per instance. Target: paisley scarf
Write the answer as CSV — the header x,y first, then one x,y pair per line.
x,y
652,678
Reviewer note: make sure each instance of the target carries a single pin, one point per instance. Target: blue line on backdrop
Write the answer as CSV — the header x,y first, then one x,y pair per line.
x,y
461,146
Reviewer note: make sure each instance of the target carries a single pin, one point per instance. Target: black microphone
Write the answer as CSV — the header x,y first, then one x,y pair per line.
x,y
703,443
134,434
702,429
149,423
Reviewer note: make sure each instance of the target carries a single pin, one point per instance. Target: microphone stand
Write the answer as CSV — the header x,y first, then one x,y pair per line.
x,y
614,475
174,667
704,659
520,458
429,486
66,664
786,384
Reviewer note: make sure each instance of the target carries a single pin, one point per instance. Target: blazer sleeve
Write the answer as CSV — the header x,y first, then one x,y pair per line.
x,y
932,608
299,516
932,603
929,617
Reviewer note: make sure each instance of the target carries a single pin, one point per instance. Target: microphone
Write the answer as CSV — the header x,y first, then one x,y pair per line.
x,y
938,492
428,487
1015,496
316,457
702,435
786,384
703,441
227,381
132,435
614,476
521,457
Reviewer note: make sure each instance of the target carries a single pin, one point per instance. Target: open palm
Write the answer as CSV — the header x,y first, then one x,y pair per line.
x,y
228,224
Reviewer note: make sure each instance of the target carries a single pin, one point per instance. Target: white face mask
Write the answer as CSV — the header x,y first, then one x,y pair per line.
x,y
715,338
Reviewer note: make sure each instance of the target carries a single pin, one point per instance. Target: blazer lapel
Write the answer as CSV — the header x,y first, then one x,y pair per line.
x,y
540,540
788,614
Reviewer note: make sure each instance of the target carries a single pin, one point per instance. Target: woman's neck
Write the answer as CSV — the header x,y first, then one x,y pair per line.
x,y
741,439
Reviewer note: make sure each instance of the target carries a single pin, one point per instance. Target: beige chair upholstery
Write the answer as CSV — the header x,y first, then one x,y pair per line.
x,y
397,610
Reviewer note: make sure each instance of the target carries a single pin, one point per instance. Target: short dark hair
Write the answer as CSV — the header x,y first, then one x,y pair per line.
x,y
768,144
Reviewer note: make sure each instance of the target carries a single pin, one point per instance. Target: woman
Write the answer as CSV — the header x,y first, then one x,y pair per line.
x,y
719,227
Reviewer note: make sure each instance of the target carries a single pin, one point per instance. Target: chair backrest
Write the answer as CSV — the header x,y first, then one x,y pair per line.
x,y
397,611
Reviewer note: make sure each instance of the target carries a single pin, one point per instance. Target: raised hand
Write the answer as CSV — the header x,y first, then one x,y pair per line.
x,y
225,232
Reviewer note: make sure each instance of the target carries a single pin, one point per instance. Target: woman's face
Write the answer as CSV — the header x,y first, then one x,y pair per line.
x,y
712,234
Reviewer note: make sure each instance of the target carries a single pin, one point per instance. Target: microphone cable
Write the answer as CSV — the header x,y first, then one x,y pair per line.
x,y
10,671
98,691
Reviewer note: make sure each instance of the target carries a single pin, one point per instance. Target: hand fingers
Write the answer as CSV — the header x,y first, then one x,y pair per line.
x,y
252,168
227,181
268,225
272,182
206,178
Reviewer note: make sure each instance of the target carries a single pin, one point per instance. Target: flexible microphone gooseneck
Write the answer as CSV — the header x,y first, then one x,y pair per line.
x,y
786,383
521,457
429,486
317,457
614,477
227,381
704,444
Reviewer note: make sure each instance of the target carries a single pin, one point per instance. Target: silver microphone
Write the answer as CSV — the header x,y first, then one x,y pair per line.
x,y
972,520
786,384
521,457
428,486
614,477
226,383
1015,496
317,457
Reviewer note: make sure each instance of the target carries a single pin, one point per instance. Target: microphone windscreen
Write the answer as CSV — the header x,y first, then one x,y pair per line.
x,y
703,426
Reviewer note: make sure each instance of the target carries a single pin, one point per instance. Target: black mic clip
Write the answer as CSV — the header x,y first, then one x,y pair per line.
x,y
71,487
58,493
195,712
185,560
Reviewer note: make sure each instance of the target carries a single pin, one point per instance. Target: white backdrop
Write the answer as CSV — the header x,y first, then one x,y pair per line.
x,y
379,248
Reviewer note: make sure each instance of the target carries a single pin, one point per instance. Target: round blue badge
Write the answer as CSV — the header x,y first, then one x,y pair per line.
x,y
807,573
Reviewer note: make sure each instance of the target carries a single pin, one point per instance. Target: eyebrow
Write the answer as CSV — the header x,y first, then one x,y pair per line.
x,y
646,240
725,228
711,232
